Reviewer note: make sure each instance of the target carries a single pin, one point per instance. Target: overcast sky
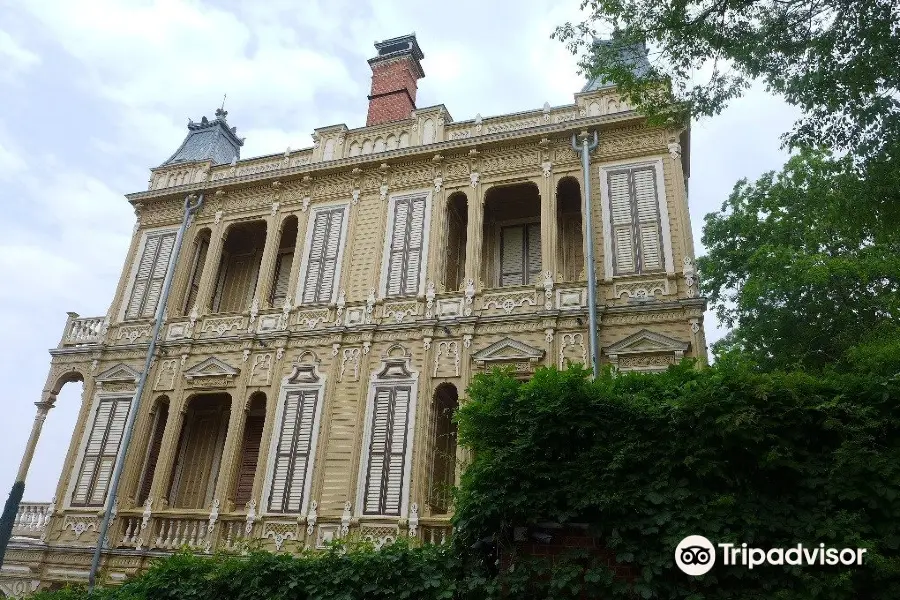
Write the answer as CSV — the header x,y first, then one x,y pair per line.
x,y
94,93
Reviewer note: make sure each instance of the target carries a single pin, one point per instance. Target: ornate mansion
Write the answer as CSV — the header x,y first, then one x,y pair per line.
x,y
330,306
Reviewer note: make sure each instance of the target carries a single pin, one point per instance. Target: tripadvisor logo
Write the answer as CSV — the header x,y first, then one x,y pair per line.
x,y
696,555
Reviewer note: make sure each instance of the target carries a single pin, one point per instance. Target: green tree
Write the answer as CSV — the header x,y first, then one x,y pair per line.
x,y
834,59
805,263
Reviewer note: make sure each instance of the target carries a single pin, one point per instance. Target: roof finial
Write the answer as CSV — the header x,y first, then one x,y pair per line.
x,y
221,112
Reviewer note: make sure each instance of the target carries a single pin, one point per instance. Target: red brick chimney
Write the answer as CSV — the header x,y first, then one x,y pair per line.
x,y
395,71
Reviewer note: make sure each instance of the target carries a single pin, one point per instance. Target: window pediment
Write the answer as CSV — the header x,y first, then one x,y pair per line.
x,y
507,350
120,373
211,368
646,351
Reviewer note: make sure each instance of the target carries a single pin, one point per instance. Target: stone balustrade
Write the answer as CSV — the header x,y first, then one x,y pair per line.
x,y
32,518
81,331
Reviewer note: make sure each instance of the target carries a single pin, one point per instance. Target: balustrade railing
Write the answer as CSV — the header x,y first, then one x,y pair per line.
x,y
173,533
31,519
81,331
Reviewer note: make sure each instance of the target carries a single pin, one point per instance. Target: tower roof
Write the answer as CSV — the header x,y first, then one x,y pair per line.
x,y
632,55
209,140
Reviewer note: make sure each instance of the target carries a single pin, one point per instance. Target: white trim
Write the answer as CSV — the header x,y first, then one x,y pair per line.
x,y
82,447
135,262
388,234
287,387
664,224
307,244
374,382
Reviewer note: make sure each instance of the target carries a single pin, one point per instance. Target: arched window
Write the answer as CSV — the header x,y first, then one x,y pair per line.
x,y
570,246
201,247
455,261
443,447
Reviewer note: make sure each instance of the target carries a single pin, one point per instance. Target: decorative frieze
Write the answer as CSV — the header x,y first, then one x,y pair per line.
x,y
641,290
508,302
397,312
221,326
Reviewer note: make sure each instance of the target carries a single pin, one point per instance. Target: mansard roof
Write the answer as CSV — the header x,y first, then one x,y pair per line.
x,y
633,55
209,140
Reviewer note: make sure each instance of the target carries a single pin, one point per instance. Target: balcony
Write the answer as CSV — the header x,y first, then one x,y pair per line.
x,y
83,331
31,520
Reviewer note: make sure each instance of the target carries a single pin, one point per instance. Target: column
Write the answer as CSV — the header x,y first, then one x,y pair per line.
x,y
474,237
43,408
548,229
267,264
210,269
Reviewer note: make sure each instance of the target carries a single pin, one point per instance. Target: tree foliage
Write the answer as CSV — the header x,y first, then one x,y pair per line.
x,y
836,60
806,262
729,453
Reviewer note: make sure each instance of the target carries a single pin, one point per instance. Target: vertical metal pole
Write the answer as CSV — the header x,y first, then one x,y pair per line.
x,y
585,150
189,210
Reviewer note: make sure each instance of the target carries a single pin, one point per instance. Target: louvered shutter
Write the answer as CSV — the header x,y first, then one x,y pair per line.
x,y
158,275
159,428
512,259
646,208
387,451
253,429
406,248
324,248
292,455
196,274
533,252
282,277
150,276
622,225
100,452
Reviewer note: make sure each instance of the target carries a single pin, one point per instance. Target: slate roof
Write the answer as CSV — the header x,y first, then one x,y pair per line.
x,y
209,140
634,55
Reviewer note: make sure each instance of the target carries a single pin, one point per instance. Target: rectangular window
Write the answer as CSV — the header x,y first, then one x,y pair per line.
x,y
293,454
319,280
635,220
151,273
387,451
100,452
520,254
405,254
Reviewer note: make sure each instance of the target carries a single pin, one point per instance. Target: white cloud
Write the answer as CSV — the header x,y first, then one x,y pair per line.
x,y
14,58
10,161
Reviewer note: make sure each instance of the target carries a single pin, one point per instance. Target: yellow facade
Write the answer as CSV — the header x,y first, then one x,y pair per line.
x,y
233,354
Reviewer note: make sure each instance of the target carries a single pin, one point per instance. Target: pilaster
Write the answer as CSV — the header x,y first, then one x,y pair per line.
x,y
231,452
475,225
169,447
549,226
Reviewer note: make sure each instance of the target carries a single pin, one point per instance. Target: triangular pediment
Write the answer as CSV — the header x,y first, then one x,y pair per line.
x,y
211,367
508,349
646,342
119,372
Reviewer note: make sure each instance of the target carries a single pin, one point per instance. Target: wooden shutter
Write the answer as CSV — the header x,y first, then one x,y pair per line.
x,y
159,428
282,277
646,207
238,282
150,276
512,255
533,252
253,429
520,254
200,450
406,247
100,452
293,453
321,267
196,274
622,224
387,451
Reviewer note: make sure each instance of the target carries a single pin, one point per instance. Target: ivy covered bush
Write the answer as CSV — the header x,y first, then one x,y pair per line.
x,y
727,452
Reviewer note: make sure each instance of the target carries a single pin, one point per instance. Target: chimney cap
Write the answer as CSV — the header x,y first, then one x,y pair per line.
x,y
404,44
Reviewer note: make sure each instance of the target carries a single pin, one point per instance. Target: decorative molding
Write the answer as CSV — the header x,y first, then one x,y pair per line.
x,y
398,311
508,350
219,326
209,370
133,333
641,290
446,359
508,302
260,372
570,342
350,360
689,276
645,350
548,290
